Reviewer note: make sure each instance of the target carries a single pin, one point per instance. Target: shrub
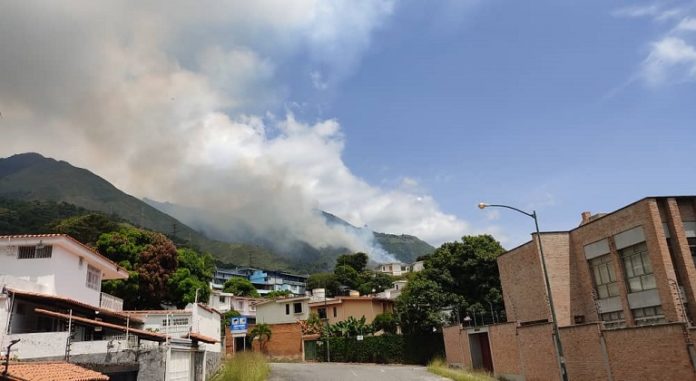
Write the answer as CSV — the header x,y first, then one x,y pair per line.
x,y
386,349
245,366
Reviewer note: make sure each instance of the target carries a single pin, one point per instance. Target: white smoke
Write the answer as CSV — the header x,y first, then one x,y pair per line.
x,y
170,100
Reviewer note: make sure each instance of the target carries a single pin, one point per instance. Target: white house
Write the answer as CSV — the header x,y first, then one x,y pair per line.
x,y
416,266
225,301
282,310
395,291
59,265
394,268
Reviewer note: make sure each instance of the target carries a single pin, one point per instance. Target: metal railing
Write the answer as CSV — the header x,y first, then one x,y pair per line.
x,y
110,302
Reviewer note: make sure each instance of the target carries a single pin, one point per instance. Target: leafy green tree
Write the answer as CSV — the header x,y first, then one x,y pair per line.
x,y
347,276
385,322
195,272
371,280
264,333
150,259
326,281
278,294
357,261
240,287
463,275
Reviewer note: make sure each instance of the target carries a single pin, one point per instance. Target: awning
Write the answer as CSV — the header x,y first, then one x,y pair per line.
x,y
147,335
198,337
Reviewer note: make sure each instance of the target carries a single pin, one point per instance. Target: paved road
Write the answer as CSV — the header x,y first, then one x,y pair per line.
x,y
349,372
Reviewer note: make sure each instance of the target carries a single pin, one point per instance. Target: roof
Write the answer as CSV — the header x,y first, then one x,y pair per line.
x,y
340,299
147,335
198,337
156,312
284,300
47,297
52,371
72,240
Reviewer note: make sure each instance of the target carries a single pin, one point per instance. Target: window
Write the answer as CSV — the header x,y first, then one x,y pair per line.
x,y
287,309
649,315
613,320
241,305
322,313
93,277
604,277
692,247
297,308
252,307
639,274
175,321
222,299
334,311
31,252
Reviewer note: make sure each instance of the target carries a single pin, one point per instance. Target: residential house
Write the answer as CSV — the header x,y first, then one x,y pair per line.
x,y
225,301
265,281
342,307
393,292
394,268
51,300
282,310
623,286
416,266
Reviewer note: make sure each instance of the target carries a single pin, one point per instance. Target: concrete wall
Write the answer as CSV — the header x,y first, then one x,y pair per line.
x,y
206,323
457,346
285,343
274,312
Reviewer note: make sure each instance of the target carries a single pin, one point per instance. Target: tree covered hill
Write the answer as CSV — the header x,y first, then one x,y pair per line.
x,y
44,191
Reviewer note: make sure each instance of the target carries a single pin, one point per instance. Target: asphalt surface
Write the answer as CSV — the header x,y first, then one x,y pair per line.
x,y
349,372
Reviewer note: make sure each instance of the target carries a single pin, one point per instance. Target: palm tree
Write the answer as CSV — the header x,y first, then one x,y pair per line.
x,y
263,332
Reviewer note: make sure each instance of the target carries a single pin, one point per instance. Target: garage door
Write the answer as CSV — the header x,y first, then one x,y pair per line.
x,y
180,366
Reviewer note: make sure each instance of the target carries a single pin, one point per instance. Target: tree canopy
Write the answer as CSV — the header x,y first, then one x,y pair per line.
x,y
240,287
461,275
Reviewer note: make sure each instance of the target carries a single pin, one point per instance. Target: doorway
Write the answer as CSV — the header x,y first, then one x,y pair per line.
x,y
480,347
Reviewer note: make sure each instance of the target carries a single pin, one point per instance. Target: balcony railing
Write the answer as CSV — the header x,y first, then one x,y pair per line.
x,y
110,302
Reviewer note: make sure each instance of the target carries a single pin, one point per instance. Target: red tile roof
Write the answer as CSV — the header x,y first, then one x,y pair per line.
x,y
199,337
51,371
69,238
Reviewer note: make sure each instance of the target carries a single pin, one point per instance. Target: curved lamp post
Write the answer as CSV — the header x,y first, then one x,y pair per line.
x,y
554,321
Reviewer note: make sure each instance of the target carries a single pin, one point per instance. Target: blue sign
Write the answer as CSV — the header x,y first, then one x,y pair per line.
x,y
238,324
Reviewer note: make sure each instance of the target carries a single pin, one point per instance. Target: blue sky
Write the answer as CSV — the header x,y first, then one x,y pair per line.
x,y
530,104
398,115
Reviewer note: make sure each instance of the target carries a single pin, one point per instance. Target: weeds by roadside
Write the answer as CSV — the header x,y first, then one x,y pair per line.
x,y
245,366
439,367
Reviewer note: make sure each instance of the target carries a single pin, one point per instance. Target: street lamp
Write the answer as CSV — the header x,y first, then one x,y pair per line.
x,y
554,321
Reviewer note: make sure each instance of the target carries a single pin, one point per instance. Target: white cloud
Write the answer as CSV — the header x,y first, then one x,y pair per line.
x,y
653,11
670,57
170,100
687,24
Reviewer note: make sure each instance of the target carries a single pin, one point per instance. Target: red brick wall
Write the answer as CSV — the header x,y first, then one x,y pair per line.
x,y
285,343
506,355
583,352
538,353
523,284
457,346
649,353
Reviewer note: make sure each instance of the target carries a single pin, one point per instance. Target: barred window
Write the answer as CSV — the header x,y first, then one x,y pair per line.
x,y
649,315
174,321
639,273
613,320
93,277
31,252
604,277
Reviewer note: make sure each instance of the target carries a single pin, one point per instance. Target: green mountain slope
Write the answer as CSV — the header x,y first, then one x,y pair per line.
x,y
32,177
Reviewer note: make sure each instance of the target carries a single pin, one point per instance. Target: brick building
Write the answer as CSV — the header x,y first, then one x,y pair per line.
x,y
623,285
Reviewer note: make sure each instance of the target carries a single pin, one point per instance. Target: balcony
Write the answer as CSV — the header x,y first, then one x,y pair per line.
x,y
110,302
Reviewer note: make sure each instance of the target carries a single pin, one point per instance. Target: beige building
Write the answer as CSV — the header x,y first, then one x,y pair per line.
x,y
282,310
343,307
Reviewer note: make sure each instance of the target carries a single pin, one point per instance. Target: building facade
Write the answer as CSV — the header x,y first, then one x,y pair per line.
x,y
282,310
342,307
623,286
225,301
265,281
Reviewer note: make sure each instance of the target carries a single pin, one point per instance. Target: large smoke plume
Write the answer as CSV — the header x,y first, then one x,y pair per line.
x,y
175,101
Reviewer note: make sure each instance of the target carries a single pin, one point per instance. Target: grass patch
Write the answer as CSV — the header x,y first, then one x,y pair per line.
x,y
439,367
244,366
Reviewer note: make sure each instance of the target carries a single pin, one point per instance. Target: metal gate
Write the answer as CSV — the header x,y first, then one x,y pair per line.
x,y
310,350
179,366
